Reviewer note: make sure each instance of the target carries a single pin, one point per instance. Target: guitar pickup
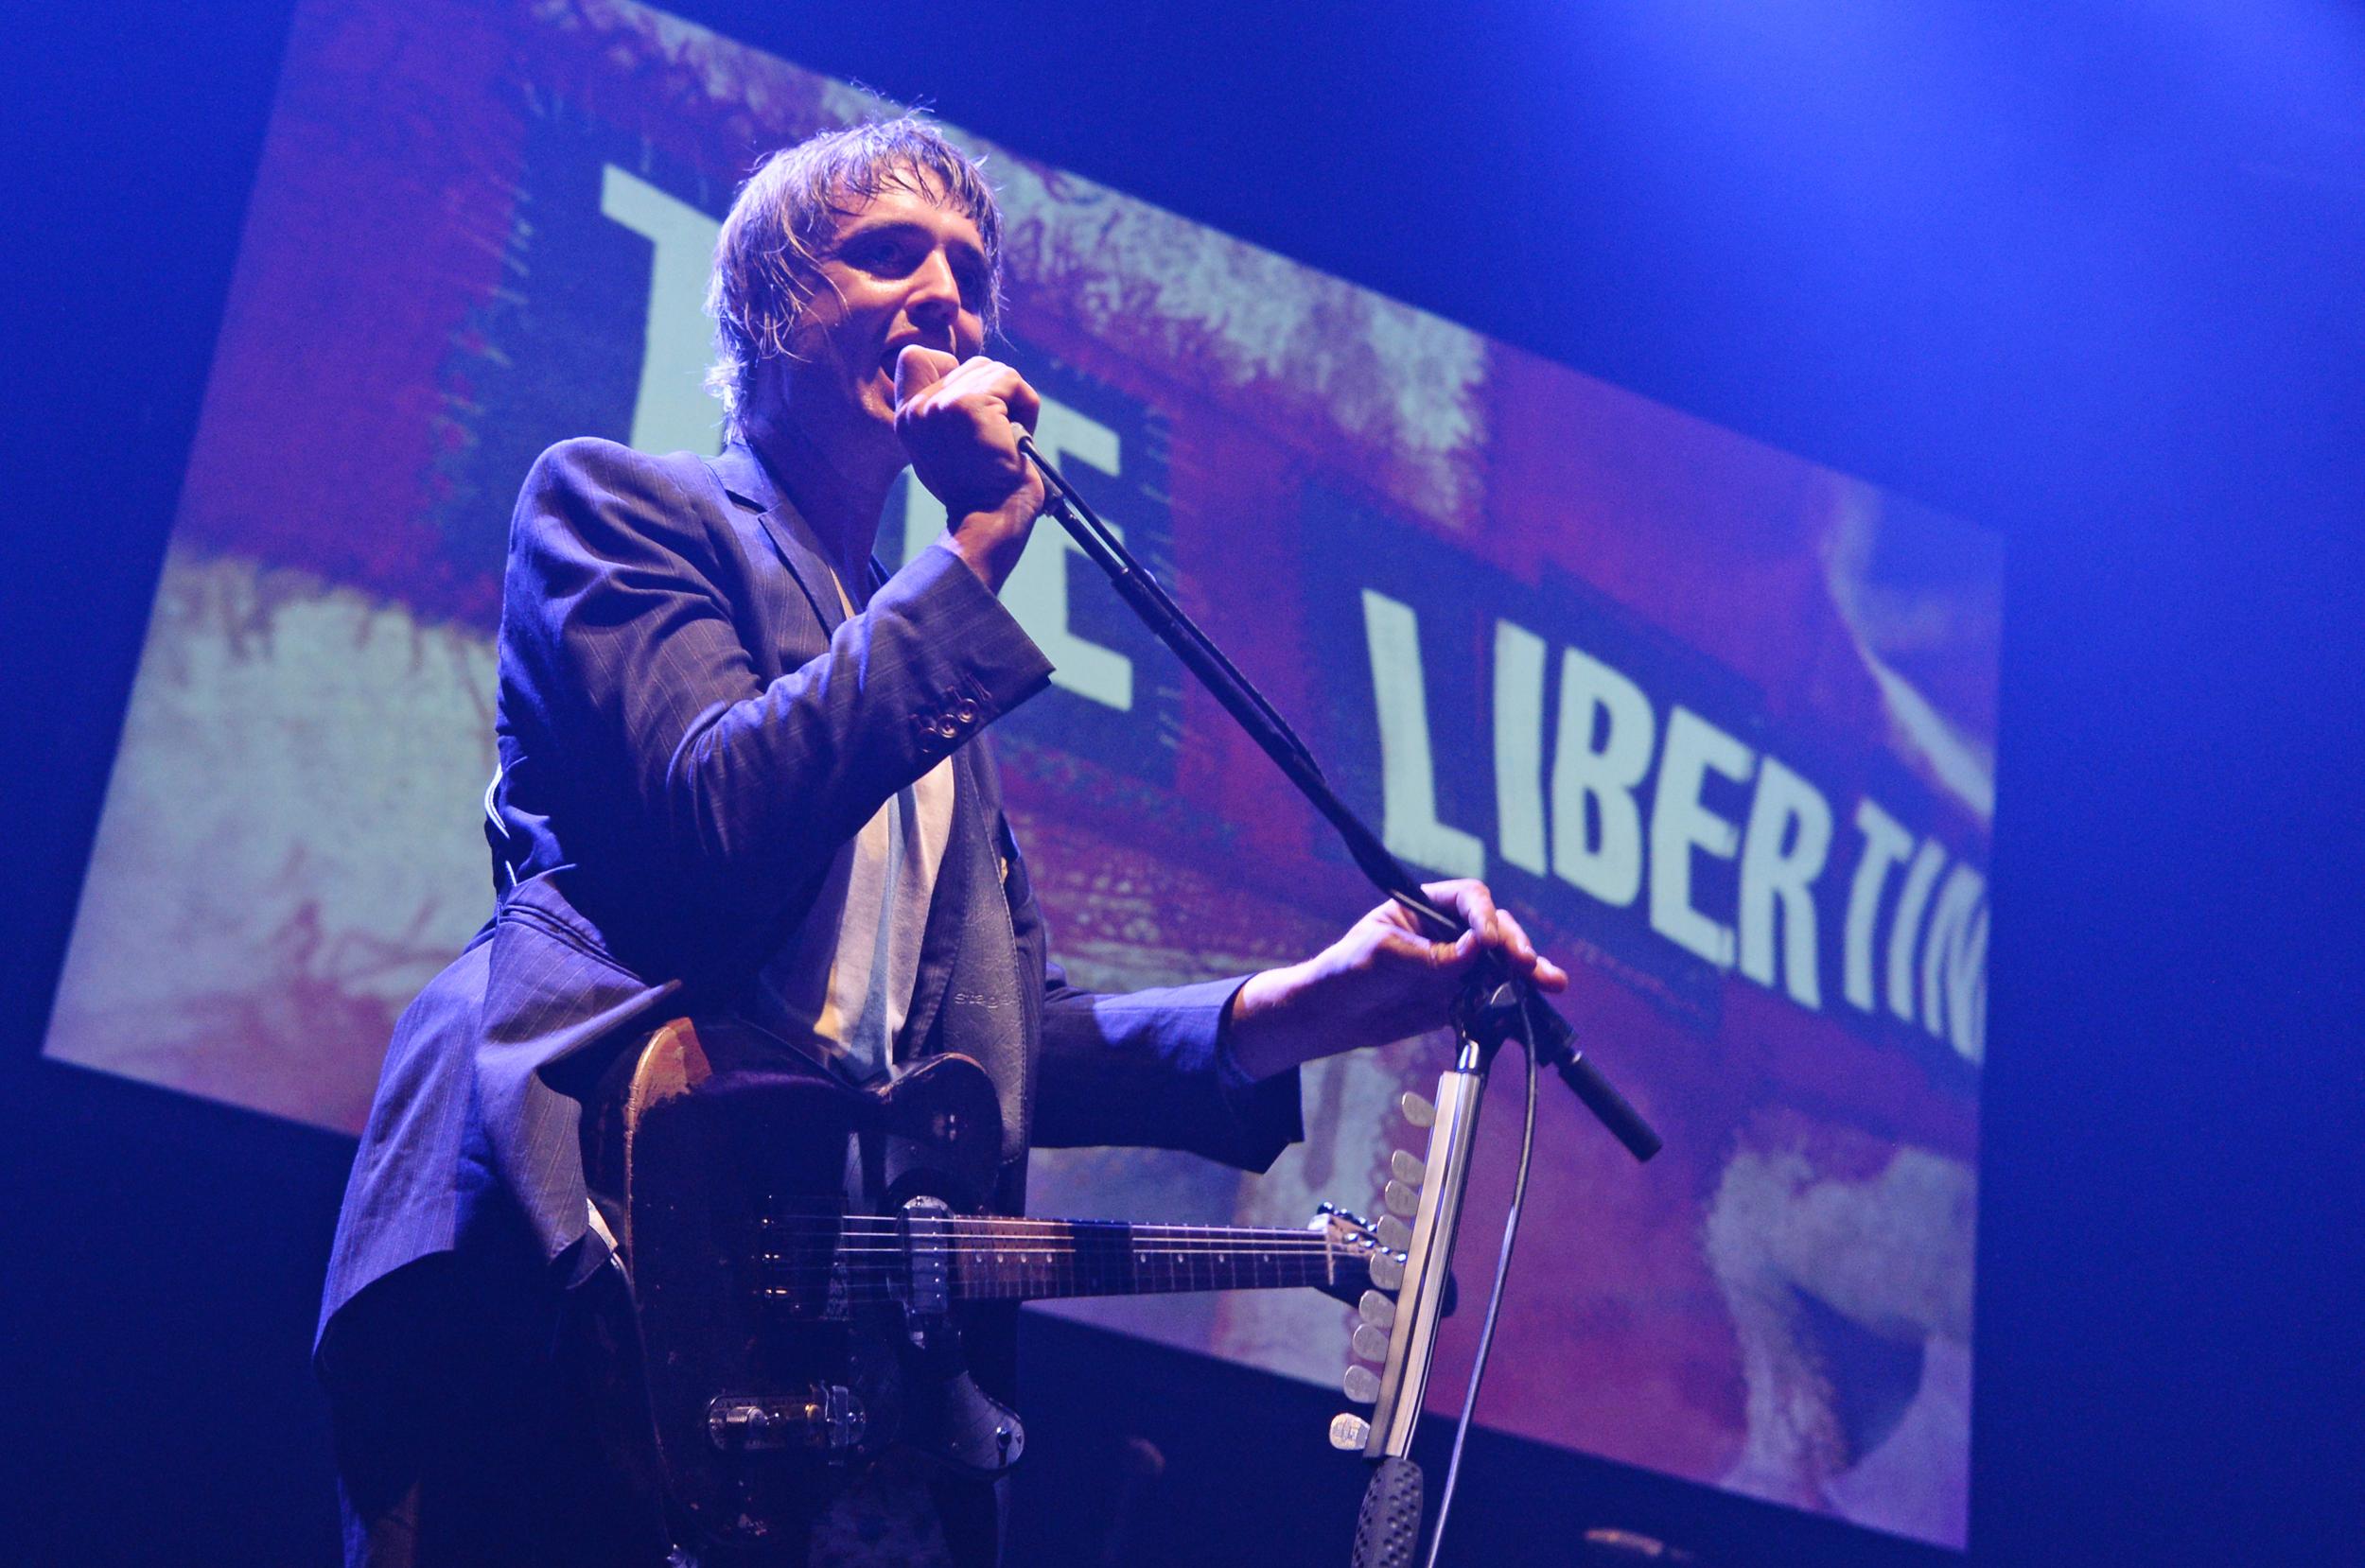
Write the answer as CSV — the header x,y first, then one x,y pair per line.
x,y
828,1417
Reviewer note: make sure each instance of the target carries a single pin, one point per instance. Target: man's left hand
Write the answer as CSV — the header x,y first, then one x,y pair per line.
x,y
1381,982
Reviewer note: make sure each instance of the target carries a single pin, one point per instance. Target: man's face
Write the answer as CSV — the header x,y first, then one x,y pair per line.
x,y
903,269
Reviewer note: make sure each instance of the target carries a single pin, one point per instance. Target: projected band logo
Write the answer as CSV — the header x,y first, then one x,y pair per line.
x,y
1717,723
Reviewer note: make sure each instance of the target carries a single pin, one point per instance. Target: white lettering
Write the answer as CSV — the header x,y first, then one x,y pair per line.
x,y
1593,783
1680,824
1947,972
1906,925
1409,822
1786,808
672,412
1520,746
1885,844
1967,1009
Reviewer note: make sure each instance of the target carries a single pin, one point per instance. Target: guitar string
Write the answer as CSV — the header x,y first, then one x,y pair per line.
x,y
1220,1244
817,1258
810,1283
1062,1251
813,1277
965,1234
883,1279
1284,1242
820,1259
966,1225
893,1243
822,1254
1276,1238
983,1268
811,1280
1072,1252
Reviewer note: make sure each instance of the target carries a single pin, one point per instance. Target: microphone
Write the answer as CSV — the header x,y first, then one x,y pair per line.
x,y
1510,1008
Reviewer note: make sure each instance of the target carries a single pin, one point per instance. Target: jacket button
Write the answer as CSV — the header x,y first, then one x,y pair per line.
x,y
966,710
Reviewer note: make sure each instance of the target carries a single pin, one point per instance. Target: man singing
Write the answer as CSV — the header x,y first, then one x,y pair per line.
x,y
740,777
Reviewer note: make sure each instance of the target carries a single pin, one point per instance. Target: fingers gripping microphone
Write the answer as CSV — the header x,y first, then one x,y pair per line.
x,y
919,367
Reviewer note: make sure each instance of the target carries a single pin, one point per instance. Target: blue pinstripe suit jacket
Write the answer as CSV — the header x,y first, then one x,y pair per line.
x,y
689,727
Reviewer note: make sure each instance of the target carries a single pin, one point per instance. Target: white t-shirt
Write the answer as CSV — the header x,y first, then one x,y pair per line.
x,y
840,987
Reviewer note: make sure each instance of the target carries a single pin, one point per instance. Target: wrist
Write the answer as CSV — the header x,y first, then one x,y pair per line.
x,y
989,542
984,558
1266,1027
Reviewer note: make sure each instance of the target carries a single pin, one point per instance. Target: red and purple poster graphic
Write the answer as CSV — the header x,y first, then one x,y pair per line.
x,y
1717,723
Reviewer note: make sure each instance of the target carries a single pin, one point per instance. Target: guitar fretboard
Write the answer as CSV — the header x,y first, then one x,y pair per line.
x,y
1034,1259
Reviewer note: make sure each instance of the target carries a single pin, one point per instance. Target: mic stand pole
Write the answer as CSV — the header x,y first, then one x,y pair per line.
x,y
1388,1526
1495,1004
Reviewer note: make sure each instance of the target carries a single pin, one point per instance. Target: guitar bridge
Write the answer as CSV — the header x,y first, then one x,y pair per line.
x,y
826,1418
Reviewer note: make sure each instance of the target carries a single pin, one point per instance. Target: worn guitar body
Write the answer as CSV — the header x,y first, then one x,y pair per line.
x,y
787,1337
784,1340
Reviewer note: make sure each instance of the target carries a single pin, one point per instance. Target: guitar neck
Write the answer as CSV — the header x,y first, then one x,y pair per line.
x,y
1035,1260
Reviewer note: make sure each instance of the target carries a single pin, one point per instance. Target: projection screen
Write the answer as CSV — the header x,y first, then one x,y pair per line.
x,y
1718,722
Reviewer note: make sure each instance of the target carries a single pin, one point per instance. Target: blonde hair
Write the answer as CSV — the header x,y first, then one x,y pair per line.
x,y
767,261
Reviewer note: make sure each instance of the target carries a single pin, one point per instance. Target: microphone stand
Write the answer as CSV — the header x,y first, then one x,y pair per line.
x,y
1557,1049
1495,1004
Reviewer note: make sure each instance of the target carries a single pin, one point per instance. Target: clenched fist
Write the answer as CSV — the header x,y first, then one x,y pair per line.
x,y
959,420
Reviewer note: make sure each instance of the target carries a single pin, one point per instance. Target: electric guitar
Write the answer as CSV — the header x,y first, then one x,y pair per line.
x,y
786,1336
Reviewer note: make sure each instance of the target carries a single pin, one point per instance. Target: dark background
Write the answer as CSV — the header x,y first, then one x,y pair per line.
x,y
2090,274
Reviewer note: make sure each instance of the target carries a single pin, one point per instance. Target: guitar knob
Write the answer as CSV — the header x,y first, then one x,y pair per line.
x,y
1378,1309
1400,1198
1393,1234
1349,1431
1417,1110
1362,1385
1370,1343
1408,1168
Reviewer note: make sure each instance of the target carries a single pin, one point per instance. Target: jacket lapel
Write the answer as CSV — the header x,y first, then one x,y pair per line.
x,y
948,907
749,483
971,994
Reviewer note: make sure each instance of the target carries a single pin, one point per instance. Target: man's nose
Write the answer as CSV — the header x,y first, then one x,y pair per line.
x,y
936,292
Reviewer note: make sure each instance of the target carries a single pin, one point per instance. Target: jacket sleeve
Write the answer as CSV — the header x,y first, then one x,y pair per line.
x,y
621,644
1154,1069
1147,1069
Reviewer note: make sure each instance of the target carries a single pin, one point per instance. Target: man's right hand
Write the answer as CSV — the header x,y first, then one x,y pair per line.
x,y
959,420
